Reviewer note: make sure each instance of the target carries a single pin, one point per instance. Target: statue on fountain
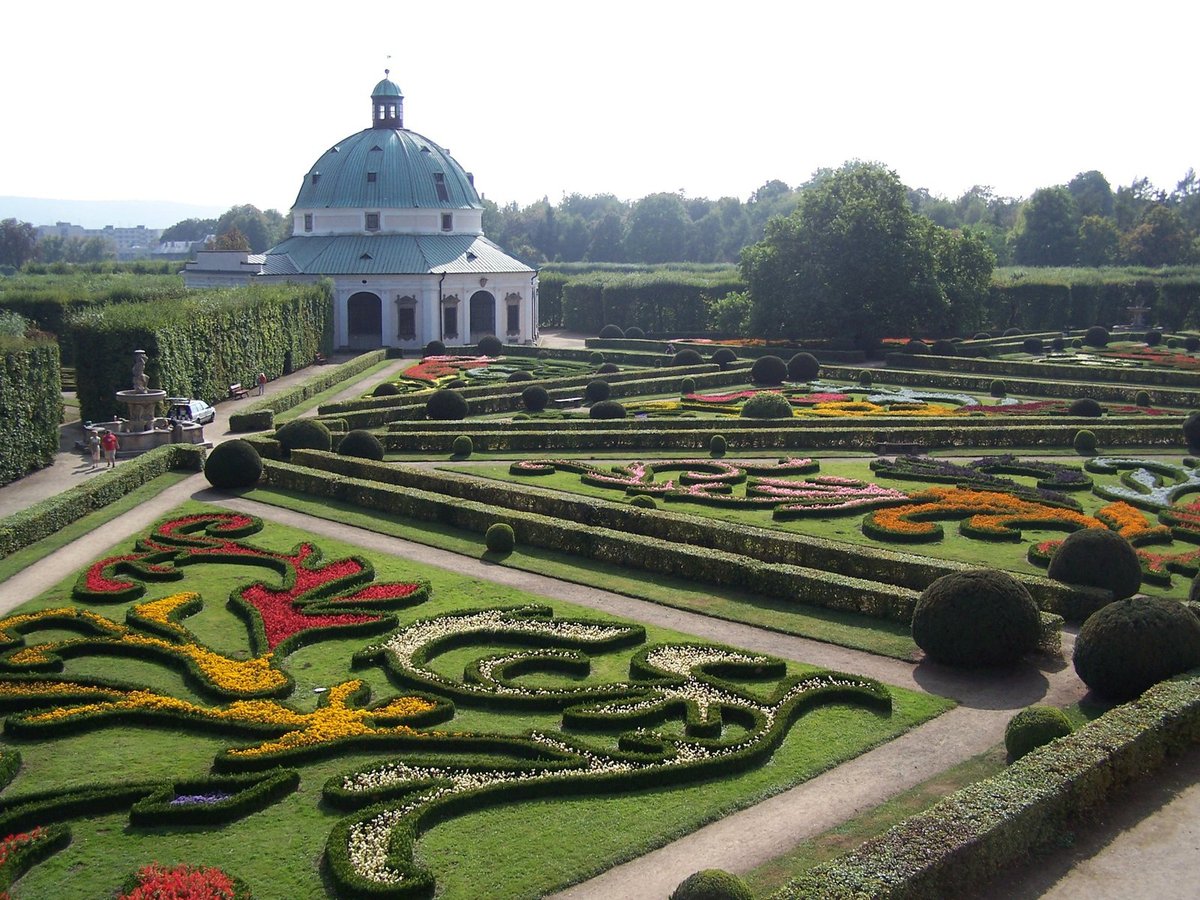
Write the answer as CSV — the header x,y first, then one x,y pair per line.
x,y
140,381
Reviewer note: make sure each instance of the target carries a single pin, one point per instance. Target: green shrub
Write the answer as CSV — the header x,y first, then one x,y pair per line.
x,y
1099,558
1034,727
463,446
1172,343
865,378
635,334
446,405
915,346
1191,343
535,397
597,358
612,331
1058,344
981,618
597,389
981,336
944,348
687,357
500,538
233,464
1141,398
768,370
999,388
723,357
361,444
643,501
712,884
1077,343
608,369
1191,430
1096,336
435,348
717,445
607,409
303,434
386,389
490,345
1153,338
803,367
767,405
520,375
1134,643
1084,442
1085,407
1033,346
687,385
1011,332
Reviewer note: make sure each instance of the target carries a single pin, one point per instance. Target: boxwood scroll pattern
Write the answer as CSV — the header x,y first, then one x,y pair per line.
x,y
724,727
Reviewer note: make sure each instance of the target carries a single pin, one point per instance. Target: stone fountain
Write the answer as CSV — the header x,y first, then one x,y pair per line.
x,y
142,428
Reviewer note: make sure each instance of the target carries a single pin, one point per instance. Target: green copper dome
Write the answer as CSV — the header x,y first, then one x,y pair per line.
x,y
386,88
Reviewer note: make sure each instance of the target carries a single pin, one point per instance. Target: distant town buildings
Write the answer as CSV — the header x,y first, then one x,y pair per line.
x,y
135,242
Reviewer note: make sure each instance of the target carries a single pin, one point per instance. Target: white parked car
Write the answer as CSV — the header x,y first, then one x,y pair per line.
x,y
185,410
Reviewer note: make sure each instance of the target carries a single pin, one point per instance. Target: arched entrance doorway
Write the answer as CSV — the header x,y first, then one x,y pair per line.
x,y
483,315
364,321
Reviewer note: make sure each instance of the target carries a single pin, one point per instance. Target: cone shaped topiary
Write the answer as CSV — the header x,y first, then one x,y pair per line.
x,y
1099,558
361,444
980,618
233,464
1132,644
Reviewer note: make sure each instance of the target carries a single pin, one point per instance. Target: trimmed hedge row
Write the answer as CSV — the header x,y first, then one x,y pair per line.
x,y
908,571
977,832
658,300
30,405
51,515
260,415
1046,370
200,344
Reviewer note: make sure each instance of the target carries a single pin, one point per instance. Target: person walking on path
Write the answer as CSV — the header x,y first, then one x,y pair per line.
x,y
111,445
94,448
262,383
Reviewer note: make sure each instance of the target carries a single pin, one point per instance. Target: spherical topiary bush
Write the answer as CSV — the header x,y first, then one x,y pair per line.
x,y
634,333
915,346
1191,430
489,346
435,348
768,370
999,388
643,501
1085,407
981,336
597,389
865,378
596,359
446,405
1141,398
767,405
1034,727
687,385
723,357
717,445
1077,343
361,444
944,348
608,369
1058,344
386,389
980,618
462,446
1194,590
1096,336
803,367
535,397
1172,343
1153,338
499,538
607,409
233,464
1131,644
1100,558
1033,346
303,434
1084,442
1191,343
519,375
456,383
612,331
711,884
1011,332
687,357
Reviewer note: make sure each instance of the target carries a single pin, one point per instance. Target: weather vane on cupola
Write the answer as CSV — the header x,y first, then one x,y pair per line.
x,y
387,103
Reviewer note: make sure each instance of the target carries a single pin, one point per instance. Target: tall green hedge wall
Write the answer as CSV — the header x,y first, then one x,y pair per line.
x,y
657,300
201,343
30,405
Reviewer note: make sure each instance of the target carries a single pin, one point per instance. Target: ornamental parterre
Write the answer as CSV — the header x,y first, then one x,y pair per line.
x,y
685,712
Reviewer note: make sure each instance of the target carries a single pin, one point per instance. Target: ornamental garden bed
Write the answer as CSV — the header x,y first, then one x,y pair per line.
x,y
250,699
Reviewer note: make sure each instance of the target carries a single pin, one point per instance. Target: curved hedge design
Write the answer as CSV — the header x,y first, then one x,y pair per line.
x,y
1149,484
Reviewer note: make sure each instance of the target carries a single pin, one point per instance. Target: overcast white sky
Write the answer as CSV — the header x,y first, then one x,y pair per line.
x,y
222,103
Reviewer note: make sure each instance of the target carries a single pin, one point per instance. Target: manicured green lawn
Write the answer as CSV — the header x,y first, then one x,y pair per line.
x,y
517,849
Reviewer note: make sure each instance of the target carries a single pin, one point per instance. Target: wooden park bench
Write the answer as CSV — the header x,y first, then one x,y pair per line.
x,y
237,392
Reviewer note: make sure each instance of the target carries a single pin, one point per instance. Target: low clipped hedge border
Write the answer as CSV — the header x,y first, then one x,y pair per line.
x,y
51,515
260,415
1045,370
975,833
248,794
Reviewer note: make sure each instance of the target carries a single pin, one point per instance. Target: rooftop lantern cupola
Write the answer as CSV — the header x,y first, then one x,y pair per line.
x,y
387,104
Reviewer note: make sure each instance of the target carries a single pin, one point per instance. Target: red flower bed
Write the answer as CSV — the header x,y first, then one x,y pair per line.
x,y
155,882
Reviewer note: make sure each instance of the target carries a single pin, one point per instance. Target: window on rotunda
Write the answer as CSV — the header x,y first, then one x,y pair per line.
x,y
371,176
447,221
372,221
439,184
308,222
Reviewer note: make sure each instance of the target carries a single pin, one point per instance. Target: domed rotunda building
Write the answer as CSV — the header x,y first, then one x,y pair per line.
x,y
396,223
